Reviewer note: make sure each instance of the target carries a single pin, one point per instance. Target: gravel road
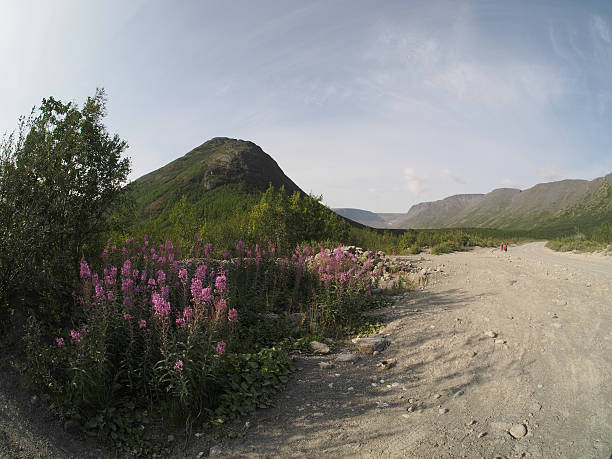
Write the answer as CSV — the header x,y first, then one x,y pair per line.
x,y
501,355
454,392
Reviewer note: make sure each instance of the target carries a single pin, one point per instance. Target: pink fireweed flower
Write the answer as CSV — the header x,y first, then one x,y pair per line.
x,y
240,246
110,295
142,323
152,283
232,315
220,305
178,366
127,316
127,285
207,249
161,277
188,314
160,306
221,348
181,322
226,254
220,283
200,272
126,269
85,271
99,291
59,341
183,274
76,336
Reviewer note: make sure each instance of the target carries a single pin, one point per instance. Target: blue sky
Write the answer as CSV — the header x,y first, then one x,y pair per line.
x,y
375,105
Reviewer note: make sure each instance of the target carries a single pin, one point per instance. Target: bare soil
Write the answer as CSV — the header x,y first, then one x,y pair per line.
x,y
454,392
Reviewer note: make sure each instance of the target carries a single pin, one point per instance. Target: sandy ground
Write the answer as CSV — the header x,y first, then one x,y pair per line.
x,y
453,393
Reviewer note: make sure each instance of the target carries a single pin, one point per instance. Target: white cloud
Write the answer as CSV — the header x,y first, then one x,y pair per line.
x,y
511,183
451,175
413,184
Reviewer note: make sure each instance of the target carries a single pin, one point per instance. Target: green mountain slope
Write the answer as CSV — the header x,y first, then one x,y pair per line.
x,y
214,164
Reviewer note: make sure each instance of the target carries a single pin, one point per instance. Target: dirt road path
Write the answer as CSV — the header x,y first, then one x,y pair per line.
x,y
455,392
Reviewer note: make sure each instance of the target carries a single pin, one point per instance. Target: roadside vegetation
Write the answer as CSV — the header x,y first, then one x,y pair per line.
x,y
584,240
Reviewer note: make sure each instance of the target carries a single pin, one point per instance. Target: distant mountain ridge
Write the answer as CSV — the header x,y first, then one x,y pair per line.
x,y
556,205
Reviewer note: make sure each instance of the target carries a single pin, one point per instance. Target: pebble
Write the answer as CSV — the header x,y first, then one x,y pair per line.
x,y
491,334
472,422
500,341
410,409
170,438
330,385
325,365
351,388
319,348
412,400
198,434
443,410
201,454
405,416
482,434
518,431
381,405
436,396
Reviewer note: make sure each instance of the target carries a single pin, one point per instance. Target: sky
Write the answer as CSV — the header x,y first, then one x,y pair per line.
x,y
374,105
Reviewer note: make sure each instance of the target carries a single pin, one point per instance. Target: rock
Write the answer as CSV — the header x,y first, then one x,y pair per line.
x,y
412,400
443,410
472,422
72,427
410,409
518,431
436,396
491,334
482,434
326,365
171,438
366,346
386,364
347,358
319,348
500,341
215,451
381,405
512,282
201,454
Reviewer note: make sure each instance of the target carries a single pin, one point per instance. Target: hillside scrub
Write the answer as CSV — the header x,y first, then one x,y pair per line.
x,y
173,333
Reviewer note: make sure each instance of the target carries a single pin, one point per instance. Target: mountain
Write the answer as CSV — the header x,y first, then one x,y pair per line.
x,y
216,163
562,205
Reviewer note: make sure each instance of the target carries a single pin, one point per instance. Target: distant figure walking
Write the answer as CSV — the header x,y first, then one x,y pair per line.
x,y
505,246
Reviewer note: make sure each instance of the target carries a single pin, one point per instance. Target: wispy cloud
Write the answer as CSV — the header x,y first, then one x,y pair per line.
x,y
451,175
600,26
551,173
